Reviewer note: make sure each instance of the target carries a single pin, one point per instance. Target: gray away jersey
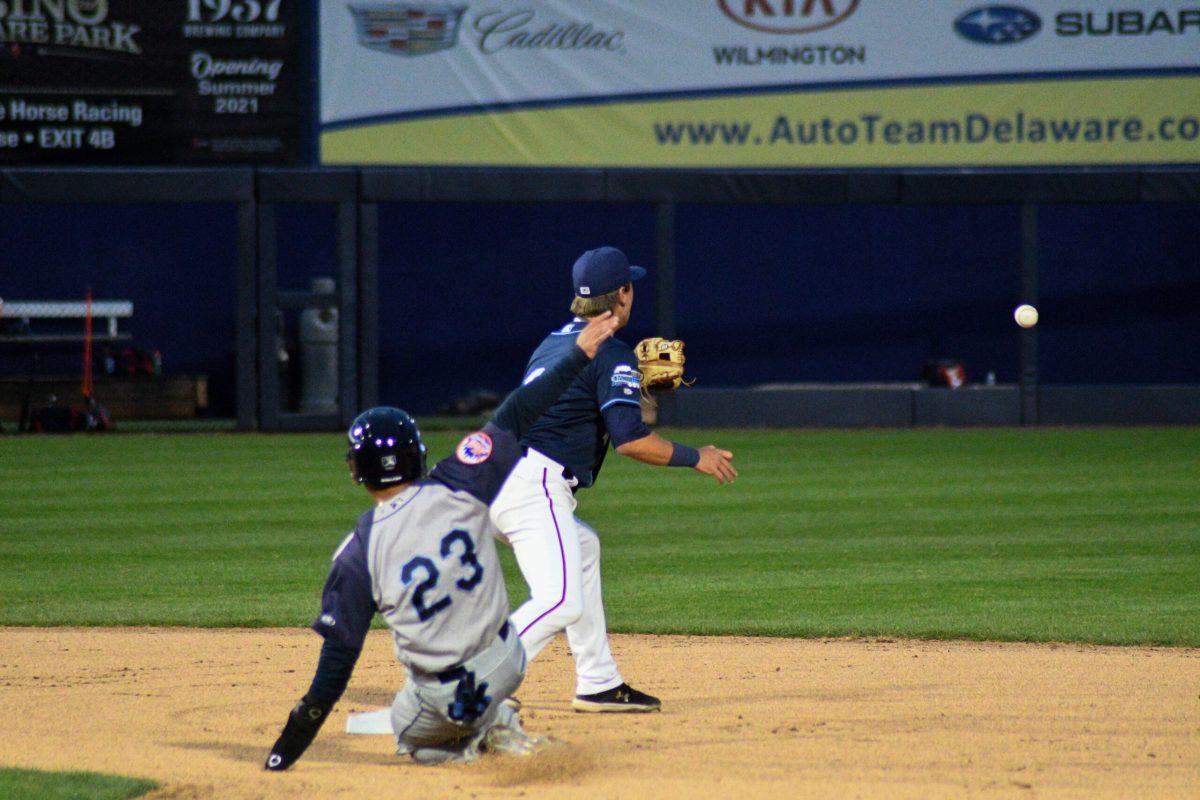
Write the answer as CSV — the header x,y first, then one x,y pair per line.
x,y
426,562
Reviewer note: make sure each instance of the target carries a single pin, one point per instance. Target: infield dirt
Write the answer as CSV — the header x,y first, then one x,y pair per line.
x,y
196,710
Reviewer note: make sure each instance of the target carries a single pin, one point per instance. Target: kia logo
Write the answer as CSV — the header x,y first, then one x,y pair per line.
x,y
998,24
788,16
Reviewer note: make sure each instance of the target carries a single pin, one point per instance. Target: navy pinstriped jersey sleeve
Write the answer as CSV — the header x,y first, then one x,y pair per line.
x,y
347,603
481,463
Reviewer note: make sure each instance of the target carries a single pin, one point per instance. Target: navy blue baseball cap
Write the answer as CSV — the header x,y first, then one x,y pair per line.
x,y
603,270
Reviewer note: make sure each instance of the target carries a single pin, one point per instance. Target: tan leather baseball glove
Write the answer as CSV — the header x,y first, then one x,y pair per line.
x,y
661,364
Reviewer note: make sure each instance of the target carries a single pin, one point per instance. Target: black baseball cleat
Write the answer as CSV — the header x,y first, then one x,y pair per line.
x,y
623,699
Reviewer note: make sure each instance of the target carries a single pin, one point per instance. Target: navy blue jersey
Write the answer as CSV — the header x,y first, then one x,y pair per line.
x,y
601,404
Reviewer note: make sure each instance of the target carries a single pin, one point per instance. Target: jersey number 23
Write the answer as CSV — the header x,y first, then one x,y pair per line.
x,y
424,566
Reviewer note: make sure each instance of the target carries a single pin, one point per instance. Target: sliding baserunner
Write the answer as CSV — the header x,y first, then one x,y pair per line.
x,y
423,558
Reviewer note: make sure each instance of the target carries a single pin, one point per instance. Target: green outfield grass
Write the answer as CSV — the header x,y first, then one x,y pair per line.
x,y
27,784
1040,534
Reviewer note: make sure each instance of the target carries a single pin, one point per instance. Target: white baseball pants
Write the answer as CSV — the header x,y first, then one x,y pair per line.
x,y
559,557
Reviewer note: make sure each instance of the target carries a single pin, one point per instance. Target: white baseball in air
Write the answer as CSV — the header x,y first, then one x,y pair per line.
x,y
1025,315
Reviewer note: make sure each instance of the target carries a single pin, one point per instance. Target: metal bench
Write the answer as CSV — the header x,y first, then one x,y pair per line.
x,y
28,341
30,310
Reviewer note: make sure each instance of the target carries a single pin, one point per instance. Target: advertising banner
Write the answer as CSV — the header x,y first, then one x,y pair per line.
x,y
105,82
760,83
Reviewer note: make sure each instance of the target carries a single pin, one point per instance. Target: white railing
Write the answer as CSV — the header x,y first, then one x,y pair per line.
x,y
112,310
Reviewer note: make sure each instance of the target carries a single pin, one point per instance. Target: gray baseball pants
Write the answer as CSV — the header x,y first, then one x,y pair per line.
x,y
421,711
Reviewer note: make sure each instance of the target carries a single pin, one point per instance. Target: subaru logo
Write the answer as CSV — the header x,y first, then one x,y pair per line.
x,y
998,24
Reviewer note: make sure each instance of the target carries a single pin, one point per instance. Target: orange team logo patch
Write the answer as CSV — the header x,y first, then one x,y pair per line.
x,y
476,448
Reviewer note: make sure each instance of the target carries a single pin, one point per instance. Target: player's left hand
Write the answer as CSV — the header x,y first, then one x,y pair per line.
x,y
715,461
301,728
599,330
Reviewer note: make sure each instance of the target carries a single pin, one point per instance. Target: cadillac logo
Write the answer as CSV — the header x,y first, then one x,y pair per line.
x,y
407,29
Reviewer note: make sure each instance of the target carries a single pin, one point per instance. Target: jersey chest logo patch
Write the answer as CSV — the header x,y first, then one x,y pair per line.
x,y
475,449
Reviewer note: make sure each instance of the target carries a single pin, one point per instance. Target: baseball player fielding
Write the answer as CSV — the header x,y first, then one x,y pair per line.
x,y
564,450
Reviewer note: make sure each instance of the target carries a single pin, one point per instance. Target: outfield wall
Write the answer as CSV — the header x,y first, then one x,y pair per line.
x,y
775,277
901,406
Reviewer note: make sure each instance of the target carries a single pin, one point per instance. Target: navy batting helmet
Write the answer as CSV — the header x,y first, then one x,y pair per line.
x,y
385,448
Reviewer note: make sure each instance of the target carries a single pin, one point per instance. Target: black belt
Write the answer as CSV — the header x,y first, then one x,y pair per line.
x,y
458,673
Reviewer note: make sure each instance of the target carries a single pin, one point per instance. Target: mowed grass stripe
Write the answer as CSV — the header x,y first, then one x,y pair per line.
x,y
1037,534
28,784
